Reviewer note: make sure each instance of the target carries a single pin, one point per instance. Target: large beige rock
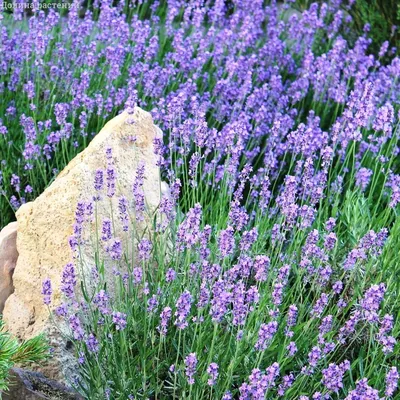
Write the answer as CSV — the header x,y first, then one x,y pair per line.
x,y
8,260
46,224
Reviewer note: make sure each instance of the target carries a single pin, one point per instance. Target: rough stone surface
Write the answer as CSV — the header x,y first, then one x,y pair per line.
x,y
29,385
8,260
46,224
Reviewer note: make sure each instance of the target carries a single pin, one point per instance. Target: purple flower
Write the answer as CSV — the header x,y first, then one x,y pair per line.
x,y
114,249
183,306
240,308
138,193
259,383
106,230
292,349
261,266
386,324
212,370
326,325
226,242
330,241
287,200
137,275
175,189
287,382
61,111
167,213
330,224
320,305
170,275
191,365
189,230
152,303
144,248
392,378
62,310
363,177
123,213
248,238
220,301
314,356
341,303
81,358
101,300
92,343
119,319
291,317
337,287
76,327
283,273
277,293
165,316
47,291
371,302
28,189
68,280
265,335
349,326
110,179
15,182
80,212
204,295
98,180
363,391
388,343
332,377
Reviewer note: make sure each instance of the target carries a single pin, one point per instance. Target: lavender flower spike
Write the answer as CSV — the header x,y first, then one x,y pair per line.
x,y
47,291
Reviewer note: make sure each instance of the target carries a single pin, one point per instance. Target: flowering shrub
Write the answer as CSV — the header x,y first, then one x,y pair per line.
x,y
270,270
230,312
268,311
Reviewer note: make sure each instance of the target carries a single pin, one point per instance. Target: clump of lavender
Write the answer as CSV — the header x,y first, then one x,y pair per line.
x,y
266,260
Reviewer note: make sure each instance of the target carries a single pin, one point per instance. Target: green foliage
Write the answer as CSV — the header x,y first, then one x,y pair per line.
x,y
12,352
382,15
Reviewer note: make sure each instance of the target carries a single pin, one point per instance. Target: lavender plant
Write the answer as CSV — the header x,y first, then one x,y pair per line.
x,y
281,151
234,312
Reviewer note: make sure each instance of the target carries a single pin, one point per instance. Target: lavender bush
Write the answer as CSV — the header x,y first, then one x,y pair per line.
x,y
271,269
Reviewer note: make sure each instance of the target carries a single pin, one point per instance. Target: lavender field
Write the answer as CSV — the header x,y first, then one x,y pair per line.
x,y
270,268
